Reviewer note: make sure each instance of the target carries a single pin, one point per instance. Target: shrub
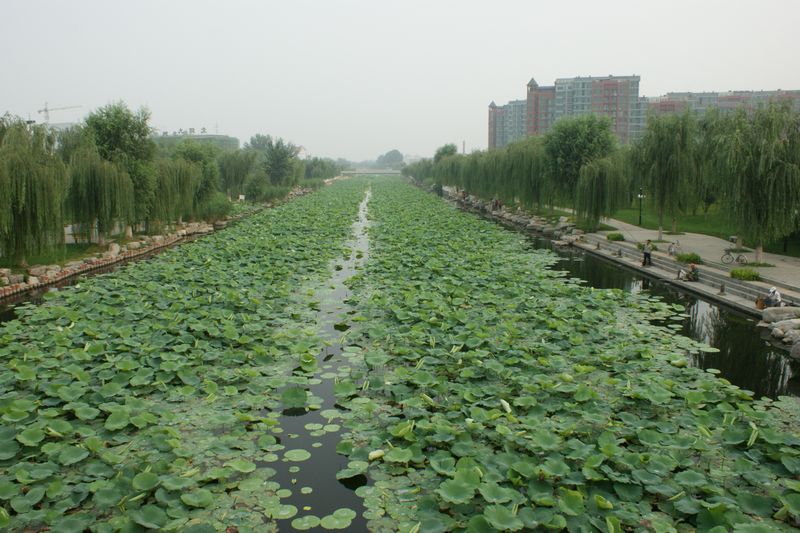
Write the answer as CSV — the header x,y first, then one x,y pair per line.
x,y
216,207
640,246
615,237
745,274
689,258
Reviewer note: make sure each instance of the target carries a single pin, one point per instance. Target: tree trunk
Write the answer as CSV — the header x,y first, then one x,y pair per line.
x,y
128,231
101,238
660,224
674,226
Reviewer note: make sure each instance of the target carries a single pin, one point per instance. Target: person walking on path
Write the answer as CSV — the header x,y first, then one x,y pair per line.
x,y
647,250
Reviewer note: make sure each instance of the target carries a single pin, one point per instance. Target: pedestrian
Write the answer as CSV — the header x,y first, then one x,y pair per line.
x,y
692,274
647,250
773,298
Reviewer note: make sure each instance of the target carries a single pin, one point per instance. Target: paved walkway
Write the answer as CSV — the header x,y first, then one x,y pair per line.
x,y
785,274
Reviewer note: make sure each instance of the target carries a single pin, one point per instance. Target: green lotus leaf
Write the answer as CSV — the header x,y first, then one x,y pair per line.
x,y
398,455
76,523
8,449
31,436
144,481
344,388
305,522
494,493
241,465
72,454
502,518
149,516
177,483
571,502
297,455
443,464
755,504
8,490
333,522
87,413
293,397
545,440
454,491
690,478
198,498
117,420
792,502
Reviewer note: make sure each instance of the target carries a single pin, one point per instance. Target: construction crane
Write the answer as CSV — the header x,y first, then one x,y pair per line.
x,y
46,110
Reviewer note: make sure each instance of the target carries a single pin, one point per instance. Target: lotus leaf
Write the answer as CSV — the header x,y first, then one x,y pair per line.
x,y
198,498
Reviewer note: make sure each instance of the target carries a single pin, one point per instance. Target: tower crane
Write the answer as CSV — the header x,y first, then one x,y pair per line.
x,y
46,110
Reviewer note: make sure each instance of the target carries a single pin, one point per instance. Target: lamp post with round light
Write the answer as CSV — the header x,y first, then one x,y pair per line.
x,y
641,197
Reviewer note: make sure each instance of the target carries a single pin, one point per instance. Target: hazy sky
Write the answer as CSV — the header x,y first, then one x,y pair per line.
x,y
357,78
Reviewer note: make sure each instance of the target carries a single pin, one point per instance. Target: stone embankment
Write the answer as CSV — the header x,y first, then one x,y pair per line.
x,y
39,276
784,325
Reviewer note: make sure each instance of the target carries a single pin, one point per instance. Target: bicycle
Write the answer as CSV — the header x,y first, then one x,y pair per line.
x,y
729,258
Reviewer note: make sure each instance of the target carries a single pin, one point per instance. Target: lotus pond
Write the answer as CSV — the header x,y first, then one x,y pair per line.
x,y
283,375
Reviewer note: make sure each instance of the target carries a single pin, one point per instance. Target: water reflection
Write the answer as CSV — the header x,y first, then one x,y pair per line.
x,y
745,358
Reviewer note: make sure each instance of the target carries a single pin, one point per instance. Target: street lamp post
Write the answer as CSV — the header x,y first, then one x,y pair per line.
x,y
641,197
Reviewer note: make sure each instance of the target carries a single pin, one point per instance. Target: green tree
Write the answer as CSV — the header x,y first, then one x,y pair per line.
x,y
233,170
204,155
100,193
444,151
572,143
33,183
760,163
124,137
666,162
391,159
602,188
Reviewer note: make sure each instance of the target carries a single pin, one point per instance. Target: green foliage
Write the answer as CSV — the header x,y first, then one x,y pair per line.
x,y
391,159
665,158
100,193
745,274
615,237
572,143
318,168
601,189
215,207
204,156
445,151
33,185
124,137
234,168
177,181
690,257
760,158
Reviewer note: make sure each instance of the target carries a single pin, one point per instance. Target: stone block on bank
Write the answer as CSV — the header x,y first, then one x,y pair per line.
x,y
13,279
113,249
5,272
37,270
33,280
135,245
776,314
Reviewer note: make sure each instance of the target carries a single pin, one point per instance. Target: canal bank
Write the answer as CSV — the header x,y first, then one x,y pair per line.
x,y
748,356
714,282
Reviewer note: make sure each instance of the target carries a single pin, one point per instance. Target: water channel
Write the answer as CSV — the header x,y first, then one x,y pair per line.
x,y
747,356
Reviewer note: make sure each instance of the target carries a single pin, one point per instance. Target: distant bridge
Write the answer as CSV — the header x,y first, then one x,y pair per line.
x,y
360,171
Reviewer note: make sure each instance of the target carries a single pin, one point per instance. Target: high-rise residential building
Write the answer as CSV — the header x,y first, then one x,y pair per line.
x,y
541,107
507,123
700,103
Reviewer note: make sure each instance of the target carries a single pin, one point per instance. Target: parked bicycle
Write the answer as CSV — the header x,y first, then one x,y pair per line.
x,y
728,257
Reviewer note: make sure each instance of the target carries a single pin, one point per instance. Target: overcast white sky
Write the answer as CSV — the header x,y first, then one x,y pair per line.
x,y
357,78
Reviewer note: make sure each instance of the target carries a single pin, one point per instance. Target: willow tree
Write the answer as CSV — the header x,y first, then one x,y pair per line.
x,y
33,182
572,143
667,165
761,163
602,188
100,194
233,169
175,189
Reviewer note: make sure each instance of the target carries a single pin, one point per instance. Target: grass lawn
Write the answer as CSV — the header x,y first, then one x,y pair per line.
x,y
715,223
